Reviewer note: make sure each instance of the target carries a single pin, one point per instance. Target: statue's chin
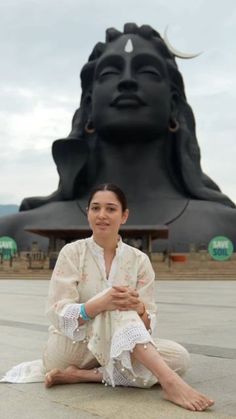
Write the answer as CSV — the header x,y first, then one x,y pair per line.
x,y
127,134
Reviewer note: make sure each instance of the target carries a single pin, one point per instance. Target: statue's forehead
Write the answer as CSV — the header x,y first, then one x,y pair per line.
x,y
129,47
130,44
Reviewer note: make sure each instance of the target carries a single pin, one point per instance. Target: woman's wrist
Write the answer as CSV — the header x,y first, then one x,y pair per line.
x,y
94,307
146,318
141,310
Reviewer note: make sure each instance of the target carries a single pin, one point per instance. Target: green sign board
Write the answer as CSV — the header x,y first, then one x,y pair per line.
x,y
8,247
220,248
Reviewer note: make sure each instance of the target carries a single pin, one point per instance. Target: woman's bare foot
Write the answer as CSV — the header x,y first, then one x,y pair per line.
x,y
70,375
180,393
175,389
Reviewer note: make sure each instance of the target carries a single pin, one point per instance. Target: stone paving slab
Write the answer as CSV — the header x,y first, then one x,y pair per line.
x,y
91,401
200,315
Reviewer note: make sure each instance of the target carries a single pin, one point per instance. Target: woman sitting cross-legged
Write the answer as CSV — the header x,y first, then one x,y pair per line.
x,y
102,312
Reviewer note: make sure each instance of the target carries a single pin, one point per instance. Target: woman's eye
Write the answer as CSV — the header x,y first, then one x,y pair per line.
x,y
111,209
95,208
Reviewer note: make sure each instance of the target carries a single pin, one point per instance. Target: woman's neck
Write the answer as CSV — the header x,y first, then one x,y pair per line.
x,y
109,243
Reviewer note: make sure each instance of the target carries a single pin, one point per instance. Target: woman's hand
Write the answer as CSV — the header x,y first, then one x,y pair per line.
x,y
123,298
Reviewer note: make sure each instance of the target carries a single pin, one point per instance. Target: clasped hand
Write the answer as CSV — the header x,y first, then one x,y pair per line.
x,y
123,298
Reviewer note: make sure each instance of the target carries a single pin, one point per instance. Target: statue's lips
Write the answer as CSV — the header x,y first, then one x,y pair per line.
x,y
124,101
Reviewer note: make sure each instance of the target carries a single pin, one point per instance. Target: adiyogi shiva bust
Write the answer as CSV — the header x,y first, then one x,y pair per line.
x,y
133,128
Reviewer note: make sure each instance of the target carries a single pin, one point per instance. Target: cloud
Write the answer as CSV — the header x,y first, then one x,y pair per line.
x,y
27,173
26,162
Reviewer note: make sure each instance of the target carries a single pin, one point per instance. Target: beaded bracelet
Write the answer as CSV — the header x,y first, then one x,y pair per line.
x,y
83,313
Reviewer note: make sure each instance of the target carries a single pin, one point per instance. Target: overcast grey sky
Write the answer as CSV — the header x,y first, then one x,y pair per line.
x,y
43,45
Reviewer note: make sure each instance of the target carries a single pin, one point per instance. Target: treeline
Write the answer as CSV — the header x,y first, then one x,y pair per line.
x,y
8,209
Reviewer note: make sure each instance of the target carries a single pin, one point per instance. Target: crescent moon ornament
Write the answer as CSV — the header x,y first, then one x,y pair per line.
x,y
174,51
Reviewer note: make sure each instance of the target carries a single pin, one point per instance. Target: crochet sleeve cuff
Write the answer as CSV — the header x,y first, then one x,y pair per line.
x,y
69,323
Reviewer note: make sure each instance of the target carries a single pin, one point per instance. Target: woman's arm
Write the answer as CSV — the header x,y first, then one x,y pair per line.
x,y
63,308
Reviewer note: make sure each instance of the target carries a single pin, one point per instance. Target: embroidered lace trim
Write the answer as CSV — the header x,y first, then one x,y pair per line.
x,y
69,324
26,372
118,378
125,339
123,342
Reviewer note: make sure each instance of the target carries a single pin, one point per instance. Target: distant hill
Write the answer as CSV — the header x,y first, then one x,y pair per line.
x,y
8,209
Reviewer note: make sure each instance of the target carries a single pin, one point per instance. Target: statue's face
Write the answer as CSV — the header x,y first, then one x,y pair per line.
x,y
131,91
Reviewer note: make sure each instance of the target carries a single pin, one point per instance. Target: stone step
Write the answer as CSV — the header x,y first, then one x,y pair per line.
x,y
194,270
26,274
190,271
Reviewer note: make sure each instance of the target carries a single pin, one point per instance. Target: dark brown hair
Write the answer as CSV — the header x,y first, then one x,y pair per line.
x,y
112,188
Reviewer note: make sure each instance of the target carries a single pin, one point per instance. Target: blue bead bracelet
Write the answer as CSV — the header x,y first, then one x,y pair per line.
x,y
83,313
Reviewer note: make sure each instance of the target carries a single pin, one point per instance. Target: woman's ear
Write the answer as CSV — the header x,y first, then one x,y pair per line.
x,y
125,216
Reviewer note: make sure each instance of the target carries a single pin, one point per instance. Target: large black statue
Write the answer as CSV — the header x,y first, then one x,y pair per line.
x,y
134,128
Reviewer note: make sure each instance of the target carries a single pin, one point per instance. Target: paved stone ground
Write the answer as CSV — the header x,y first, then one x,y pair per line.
x,y
200,315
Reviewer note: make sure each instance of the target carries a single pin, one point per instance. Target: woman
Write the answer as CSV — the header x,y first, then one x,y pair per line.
x,y
102,310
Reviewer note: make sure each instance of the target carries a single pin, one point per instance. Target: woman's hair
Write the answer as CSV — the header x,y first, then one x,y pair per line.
x,y
112,188
182,150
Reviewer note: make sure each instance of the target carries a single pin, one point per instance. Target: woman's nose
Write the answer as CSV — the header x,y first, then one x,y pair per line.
x,y
102,213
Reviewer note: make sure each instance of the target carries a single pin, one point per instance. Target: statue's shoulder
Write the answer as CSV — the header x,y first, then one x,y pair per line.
x,y
203,220
210,210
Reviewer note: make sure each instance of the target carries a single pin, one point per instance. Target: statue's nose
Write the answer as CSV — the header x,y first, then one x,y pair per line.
x,y
128,83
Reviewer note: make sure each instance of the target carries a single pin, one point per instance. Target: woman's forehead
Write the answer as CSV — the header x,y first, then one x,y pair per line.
x,y
105,197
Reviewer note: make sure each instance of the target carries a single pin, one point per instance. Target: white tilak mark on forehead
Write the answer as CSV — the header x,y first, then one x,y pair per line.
x,y
129,46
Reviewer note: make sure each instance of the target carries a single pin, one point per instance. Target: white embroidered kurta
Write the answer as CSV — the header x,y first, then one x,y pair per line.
x,y
107,340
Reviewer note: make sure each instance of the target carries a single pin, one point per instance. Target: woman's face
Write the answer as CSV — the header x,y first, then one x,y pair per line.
x,y
131,91
105,214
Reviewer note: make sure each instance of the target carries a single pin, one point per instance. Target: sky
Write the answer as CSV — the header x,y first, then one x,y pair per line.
x,y
43,46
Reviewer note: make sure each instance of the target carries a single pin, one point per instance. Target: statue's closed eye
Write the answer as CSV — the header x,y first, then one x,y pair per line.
x,y
107,71
150,70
